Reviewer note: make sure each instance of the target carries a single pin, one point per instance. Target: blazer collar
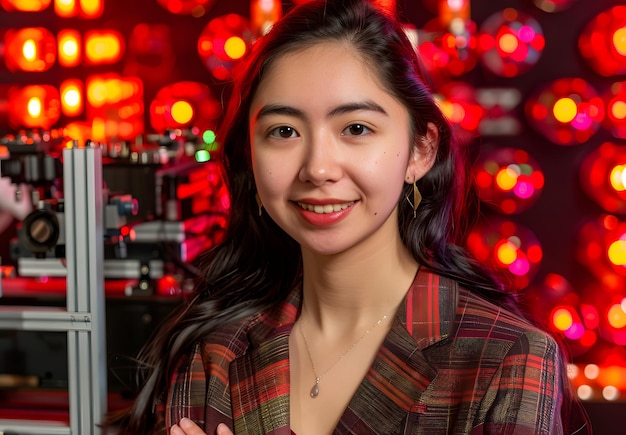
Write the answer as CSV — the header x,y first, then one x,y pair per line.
x,y
399,375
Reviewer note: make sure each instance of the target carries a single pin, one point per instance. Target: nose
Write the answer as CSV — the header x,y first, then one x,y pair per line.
x,y
321,162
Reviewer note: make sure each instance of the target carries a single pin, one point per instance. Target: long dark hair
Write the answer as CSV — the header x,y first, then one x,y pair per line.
x,y
257,263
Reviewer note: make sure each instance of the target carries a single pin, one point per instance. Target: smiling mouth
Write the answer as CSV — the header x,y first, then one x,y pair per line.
x,y
326,208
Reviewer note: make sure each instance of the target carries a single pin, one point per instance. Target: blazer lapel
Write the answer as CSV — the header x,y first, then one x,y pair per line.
x,y
259,379
393,386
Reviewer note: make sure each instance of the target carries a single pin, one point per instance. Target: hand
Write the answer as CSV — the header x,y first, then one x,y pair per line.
x,y
187,427
17,207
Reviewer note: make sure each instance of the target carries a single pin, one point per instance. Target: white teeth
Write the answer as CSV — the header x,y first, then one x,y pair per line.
x,y
328,208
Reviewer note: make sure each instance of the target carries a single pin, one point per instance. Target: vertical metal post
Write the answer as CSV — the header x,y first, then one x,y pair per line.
x,y
82,173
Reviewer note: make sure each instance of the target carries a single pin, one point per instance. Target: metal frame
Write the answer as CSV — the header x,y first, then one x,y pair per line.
x,y
84,318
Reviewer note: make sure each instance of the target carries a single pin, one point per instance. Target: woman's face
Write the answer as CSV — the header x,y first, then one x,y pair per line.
x,y
331,150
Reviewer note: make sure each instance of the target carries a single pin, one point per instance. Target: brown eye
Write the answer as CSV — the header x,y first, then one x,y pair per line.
x,y
284,132
356,130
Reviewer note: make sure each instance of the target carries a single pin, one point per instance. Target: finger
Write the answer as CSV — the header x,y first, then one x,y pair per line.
x,y
190,427
222,429
175,430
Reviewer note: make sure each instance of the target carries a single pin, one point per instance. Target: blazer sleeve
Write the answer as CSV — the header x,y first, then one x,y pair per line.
x,y
525,395
186,395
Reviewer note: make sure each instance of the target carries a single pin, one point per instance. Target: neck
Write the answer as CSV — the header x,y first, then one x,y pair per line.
x,y
350,289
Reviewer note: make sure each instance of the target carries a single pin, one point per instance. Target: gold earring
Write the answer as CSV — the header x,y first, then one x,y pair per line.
x,y
417,198
259,203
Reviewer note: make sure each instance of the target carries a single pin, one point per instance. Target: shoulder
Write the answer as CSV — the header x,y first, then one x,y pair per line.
x,y
501,331
475,312
469,320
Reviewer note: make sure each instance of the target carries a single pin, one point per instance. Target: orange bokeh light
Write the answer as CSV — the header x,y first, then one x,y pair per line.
x,y
72,100
34,106
103,47
562,318
69,48
31,49
25,5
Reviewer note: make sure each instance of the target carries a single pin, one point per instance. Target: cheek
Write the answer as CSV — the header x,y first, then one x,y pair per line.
x,y
270,178
386,168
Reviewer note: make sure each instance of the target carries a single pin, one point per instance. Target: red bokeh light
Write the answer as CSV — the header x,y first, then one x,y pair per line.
x,y
206,109
511,249
458,102
567,111
615,101
601,248
445,53
508,180
603,42
510,43
603,177
224,42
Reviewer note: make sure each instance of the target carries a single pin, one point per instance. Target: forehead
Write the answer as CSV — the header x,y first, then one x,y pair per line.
x,y
331,66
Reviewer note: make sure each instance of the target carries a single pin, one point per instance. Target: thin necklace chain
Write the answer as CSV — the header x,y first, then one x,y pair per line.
x,y
315,390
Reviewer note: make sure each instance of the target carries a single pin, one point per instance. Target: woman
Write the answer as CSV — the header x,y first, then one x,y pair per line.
x,y
341,300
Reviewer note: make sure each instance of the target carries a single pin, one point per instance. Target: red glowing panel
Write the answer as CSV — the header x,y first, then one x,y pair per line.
x,y
34,106
446,52
187,7
511,249
223,42
30,49
150,52
567,111
510,43
603,42
508,180
69,47
263,15
24,5
615,100
115,107
103,47
183,105
554,5
72,100
603,177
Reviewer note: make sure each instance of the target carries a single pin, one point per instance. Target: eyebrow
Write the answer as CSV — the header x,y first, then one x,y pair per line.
x,y
277,109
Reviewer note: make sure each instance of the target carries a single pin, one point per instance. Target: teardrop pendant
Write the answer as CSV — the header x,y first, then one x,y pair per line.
x,y
315,390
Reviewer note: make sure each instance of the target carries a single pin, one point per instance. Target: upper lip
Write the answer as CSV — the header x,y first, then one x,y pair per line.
x,y
325,201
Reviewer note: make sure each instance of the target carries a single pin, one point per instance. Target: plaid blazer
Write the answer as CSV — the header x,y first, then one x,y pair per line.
x,y
452,363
